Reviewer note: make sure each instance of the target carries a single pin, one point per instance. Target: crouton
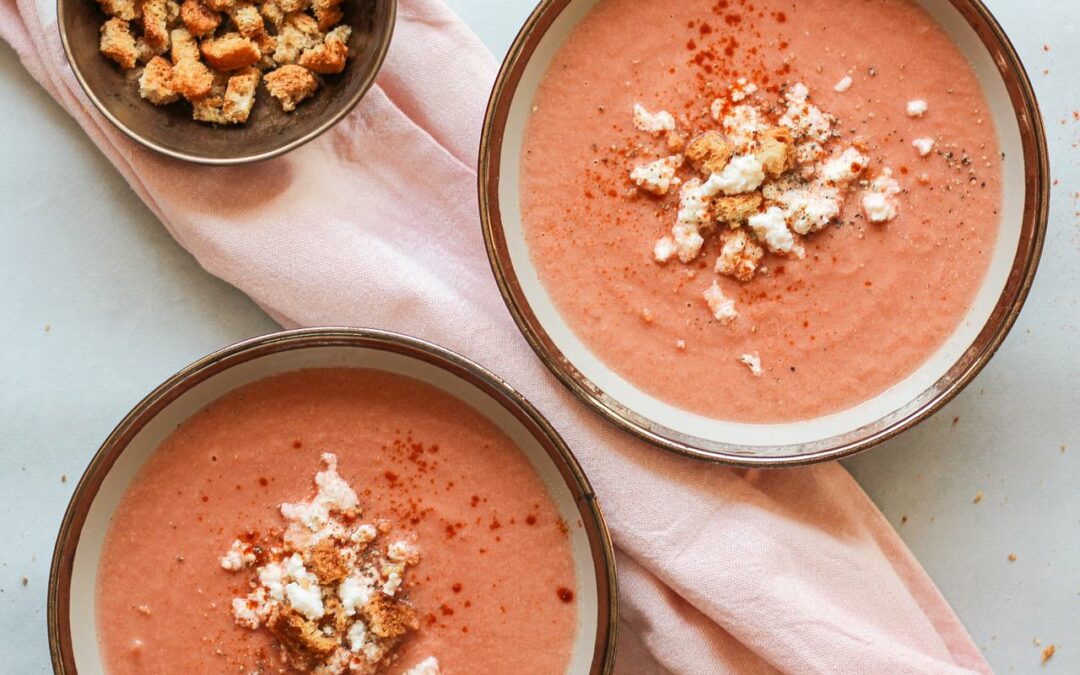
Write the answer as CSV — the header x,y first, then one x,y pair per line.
x,y
305,644
118,44
128,10
230,52
327,13
192,79
172,14
240,96
298,32
739,256
736,208
247,20
272,13
199,19
146,51
390,619
289,6
209,107
155,20
155,83
183,46
676,141
220,5
329,57
777,151
291,84
710,152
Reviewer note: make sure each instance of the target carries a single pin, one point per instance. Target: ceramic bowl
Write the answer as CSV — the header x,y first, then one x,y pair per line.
x,y
954,365
269,131
71,616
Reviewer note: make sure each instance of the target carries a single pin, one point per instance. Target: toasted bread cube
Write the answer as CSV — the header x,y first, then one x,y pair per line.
x,y
240,96
199,19
172,14
777,151
231,51
329,57
220,5
147,52
739,256
128,10
327,13
192,79
710,152
298,32
290,6
272,13
155,20
155,83
209,107
183,46
736,208
247,20
291,84
118,44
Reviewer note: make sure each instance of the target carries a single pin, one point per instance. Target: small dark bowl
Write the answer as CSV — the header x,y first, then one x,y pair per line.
x,y
269,131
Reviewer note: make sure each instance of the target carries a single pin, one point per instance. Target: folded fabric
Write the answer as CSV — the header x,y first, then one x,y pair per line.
x,y
376,224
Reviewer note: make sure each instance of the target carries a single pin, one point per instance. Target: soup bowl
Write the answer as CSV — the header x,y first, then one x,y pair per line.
x,y
73,579
949,369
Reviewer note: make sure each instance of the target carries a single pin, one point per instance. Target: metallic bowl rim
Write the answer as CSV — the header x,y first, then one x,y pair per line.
x,y
86,490
374,67
1018,284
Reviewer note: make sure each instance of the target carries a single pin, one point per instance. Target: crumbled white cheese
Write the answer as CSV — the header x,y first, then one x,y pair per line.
x,y
272,577
879,203
355,592
917,108
742,125
924,146
429,666
771,227
845,167
809,209
364,534
664,249
804,119
844,84
402,552
334,495
392,584
245,614
657,177
239,554
356,636
303,593
722,307
654,123
741,175
693,214
753,362
741,89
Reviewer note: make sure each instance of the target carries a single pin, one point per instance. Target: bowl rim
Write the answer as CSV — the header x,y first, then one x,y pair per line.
x,y
86,490
369,79
1001,319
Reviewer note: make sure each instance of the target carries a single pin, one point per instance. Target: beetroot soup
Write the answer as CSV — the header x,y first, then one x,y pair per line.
x,y
337,521
761,211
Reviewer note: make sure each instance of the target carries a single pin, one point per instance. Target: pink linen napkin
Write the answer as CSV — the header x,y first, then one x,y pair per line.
x,y
375,224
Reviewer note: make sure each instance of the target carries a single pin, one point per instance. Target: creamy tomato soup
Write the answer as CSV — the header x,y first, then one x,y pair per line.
x,y
492,584
822,320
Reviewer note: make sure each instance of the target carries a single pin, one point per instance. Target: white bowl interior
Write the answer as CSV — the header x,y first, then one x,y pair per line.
x,y
88,551
765,440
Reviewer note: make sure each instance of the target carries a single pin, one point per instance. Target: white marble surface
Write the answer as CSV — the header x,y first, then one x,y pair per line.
x,y
100,304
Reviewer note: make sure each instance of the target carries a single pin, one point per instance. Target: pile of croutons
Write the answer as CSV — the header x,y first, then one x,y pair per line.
x,y
212,53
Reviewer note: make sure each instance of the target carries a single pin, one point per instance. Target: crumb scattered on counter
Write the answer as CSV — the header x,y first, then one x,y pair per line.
x,y
63,478
25,581
1012,557
1048,653
978,497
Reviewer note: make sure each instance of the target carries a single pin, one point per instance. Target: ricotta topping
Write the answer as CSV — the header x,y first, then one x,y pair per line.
x,y
327,588
917,108
657,177
722,307
879,202
656,123
753,362
924,146
772,173
429,666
